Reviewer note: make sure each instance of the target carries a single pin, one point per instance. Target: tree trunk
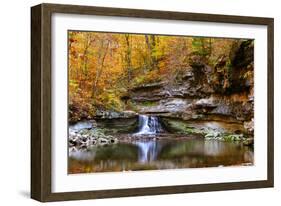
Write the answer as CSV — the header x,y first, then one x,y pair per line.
x,y
99,70
151,45
128,57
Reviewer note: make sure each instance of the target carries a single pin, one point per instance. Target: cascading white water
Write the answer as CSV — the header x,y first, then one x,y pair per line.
x,y
149,125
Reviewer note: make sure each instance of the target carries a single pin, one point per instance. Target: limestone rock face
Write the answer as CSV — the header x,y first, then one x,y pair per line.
x,y
167,106
204,92
115,115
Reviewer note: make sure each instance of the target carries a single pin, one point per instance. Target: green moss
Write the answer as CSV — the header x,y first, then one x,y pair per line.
x,y
180,127
148,103
224,137
233,137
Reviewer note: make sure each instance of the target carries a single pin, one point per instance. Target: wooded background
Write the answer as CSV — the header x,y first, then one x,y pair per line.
x,y
103,67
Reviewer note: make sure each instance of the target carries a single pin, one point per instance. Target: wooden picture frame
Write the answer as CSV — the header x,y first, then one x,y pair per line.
x,y
41,116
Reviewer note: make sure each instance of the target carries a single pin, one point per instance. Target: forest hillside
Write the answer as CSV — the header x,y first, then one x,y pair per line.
x,y
179,79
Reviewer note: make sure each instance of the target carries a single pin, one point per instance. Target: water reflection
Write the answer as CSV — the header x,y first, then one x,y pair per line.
x,y
160,154
147,151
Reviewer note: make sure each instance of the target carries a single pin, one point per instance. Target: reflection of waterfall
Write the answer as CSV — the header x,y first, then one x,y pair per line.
x,y
147,151
149,125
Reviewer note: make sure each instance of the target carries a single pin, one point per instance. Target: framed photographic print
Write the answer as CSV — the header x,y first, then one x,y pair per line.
x,y
132,102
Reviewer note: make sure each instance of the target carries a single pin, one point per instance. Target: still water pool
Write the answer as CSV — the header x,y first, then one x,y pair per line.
x,y
163,153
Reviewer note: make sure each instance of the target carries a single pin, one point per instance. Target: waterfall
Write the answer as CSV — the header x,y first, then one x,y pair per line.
x,y
149,125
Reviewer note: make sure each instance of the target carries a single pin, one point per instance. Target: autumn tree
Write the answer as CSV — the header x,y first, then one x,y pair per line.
x,y
128,56
105,66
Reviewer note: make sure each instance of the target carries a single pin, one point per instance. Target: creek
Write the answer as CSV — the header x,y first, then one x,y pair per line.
x,y
151,147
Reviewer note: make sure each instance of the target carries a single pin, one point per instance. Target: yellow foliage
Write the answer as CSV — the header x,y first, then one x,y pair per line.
x,y
104,66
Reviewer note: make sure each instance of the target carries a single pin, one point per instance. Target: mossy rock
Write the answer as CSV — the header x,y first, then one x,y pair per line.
x,y
225,137
179,126
120,125
233,137
248,142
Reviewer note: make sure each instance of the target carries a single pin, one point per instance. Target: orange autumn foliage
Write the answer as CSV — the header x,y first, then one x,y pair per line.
x,y
104,66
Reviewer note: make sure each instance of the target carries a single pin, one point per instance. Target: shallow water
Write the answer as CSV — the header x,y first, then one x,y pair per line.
x,y
165,153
